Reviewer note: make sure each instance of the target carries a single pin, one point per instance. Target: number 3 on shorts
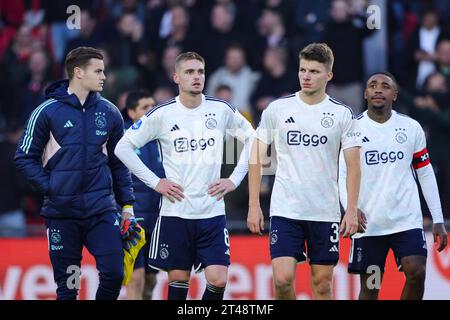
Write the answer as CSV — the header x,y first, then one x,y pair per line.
x,y
335,239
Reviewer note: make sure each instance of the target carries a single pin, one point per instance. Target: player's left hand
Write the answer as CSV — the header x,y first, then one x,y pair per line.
x,y
130,232
127,213
349,224
130,227
132,237
220,188
362,221
440,232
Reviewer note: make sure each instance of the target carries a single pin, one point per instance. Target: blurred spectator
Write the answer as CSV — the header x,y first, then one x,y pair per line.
x,y
124,47
11,17
175,30
224,92
411,17
238,75
151,52
34,14
16,56
235,202
162,77
7,103
277,80
121,103
222,35
155,12
119,78
12,185
443,59
271,32
269,21
271,27
443,9
163,94
345,34
15,71
31,91
311,18
287,10
89,33
118,8
432,108
420,51
396,20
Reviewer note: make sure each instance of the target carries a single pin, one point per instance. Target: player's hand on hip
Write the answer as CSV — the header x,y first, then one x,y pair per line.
x,y
170,189
220,188
349,224
440,232
255,219
362,221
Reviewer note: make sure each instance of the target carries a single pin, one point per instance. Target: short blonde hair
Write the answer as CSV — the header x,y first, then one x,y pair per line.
x,y
188,56
319,52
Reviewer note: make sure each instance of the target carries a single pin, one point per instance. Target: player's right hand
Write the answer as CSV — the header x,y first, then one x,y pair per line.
x,y
170,189
255,219
439,233
349,224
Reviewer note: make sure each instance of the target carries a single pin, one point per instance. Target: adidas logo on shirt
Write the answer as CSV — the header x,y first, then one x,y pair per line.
x,y
365,139
290,120
334,249
68,124
174,128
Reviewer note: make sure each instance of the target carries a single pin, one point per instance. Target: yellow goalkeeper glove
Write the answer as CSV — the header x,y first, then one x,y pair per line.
x,y
131,254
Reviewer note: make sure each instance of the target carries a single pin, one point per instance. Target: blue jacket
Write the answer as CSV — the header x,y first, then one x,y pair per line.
x,y
147,199
67,153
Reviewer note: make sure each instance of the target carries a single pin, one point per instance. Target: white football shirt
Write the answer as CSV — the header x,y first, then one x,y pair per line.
x,y
307,141
191,142
389,195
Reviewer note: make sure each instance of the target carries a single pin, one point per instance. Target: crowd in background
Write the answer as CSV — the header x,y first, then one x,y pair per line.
x,y
251,49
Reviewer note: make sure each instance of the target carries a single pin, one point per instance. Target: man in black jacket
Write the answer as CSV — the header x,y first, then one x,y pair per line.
x,y
345,34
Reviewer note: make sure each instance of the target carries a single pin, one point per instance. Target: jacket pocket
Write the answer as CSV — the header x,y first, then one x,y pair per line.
x,y
64,183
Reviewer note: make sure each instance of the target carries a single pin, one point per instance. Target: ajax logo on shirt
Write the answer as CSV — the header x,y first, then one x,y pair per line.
x,y
210,122
327,121
400,135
